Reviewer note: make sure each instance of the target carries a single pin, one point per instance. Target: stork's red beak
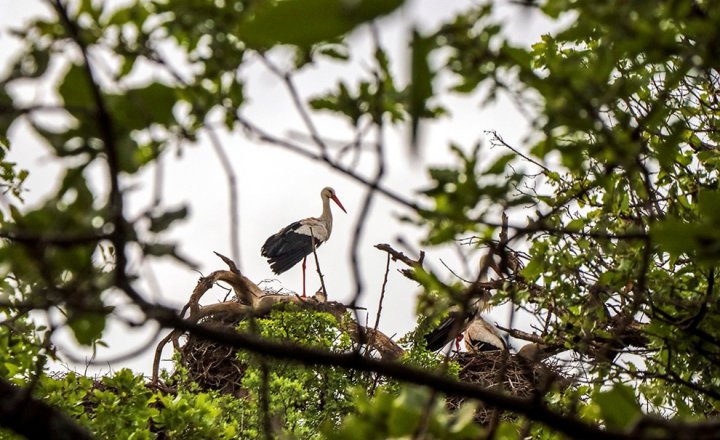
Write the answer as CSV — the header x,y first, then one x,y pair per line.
x,y
336,200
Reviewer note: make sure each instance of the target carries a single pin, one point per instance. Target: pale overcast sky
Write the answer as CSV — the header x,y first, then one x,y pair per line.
x,y
277,187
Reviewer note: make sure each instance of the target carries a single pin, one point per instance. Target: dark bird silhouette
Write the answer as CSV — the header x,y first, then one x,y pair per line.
x,y
296,241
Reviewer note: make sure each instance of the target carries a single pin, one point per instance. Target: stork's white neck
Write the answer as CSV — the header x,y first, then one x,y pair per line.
x,y
326,216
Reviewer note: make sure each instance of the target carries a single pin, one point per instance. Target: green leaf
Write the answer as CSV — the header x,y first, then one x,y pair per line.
x,y
7,117
507,431
420,88
498,167
463,426
306,22
75,88
405,414
141,107
618,406
163,221
150,104
87,327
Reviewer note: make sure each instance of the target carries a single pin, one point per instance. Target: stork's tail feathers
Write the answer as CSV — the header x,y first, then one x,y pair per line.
x,y
445,332
280,263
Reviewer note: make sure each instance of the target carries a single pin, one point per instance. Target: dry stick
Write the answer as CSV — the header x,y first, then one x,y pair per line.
x,y
397,255
158,354
453,272
317,264
297,102
501,141
519,334
380,303
382,293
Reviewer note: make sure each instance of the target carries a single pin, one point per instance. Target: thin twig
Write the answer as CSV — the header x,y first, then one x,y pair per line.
x,y
233,197
453,272
500,141
382,293
298,103
380,303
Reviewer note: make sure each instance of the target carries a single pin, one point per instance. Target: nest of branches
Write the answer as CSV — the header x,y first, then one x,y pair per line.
x,y
215,366
501,370
212,365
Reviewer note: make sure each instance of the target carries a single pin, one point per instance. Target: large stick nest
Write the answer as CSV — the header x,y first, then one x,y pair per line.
x,y
215,366
212,365
500,370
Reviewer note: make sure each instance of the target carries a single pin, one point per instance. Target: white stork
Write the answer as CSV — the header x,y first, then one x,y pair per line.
x,y
455,324
297,240
483,336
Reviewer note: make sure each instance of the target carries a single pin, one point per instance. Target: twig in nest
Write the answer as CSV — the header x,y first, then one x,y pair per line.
x,y
229,262
158,353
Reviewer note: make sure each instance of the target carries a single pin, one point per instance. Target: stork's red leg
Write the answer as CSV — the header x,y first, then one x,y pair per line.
x,y
458,338
303,267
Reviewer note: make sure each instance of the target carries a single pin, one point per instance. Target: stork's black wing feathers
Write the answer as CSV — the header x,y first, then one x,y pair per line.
x,y
487,346
447,330
287,248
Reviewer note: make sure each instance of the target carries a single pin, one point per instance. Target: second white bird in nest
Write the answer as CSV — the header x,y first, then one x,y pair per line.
x,y
483,336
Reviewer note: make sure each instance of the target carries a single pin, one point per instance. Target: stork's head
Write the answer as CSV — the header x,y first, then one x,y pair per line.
x,y
329,193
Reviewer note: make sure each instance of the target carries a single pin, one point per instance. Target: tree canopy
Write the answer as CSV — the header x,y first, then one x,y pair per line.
x,y
600,226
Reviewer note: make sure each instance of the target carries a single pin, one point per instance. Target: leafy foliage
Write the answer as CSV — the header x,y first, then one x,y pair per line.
x,y
613,197
302,399
388,415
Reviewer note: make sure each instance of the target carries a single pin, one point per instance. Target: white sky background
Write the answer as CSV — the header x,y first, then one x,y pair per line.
x,y
277,187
